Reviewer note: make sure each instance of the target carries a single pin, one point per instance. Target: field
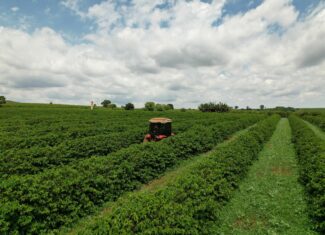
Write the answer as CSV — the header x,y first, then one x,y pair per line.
x,y
70,170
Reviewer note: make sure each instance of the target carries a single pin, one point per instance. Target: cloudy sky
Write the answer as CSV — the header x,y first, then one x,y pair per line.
x,y
242,52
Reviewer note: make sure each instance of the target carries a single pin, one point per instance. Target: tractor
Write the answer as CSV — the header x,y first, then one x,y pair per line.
x,y
159,128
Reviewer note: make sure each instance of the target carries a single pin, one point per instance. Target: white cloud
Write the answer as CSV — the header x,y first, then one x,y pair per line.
x,y
131,58
15,9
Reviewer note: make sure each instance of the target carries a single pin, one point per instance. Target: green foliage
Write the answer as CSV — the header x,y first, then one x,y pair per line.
x,y
170,106
2,100
112,106
105,103
150,106
129,106
308,112
268,196
262,107
37,159
282,111
32,151
23,128
318,120
159,107
190,204
46,201
310,151
164,107
285,109
213,107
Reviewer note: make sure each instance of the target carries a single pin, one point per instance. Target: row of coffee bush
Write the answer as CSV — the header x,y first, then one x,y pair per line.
x,y
55,134
317,120
36,159
310,151
191,203
56,197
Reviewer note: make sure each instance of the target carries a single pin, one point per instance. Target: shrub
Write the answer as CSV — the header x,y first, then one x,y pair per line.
x,y
311,160
37,159
317,120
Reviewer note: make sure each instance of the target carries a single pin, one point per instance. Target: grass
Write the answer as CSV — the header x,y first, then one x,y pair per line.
x,y
270,200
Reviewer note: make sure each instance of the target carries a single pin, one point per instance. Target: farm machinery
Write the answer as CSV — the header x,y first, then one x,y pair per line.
x,y
159,128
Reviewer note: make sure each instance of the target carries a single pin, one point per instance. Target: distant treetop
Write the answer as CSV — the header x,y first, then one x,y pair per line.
x,y
2,100
214,107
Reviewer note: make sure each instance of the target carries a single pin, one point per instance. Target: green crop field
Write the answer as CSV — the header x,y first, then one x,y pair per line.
x,y
164,117
72,170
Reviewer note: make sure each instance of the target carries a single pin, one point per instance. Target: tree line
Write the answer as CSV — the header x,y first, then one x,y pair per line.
x,y
204,107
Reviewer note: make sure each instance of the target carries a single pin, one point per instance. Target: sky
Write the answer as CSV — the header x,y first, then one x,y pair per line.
x,y
242,52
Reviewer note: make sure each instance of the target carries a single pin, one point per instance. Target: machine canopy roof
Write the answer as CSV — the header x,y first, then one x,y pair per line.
x,y
160,120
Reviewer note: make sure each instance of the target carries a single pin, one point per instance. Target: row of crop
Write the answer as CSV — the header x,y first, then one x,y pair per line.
x,y
37,159
317,120
80,129
310,151
56,197
34,118
41,119
57,137
91,121
191,203
69,125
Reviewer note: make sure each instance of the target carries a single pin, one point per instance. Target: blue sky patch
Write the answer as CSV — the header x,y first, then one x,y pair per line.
x,y
164,24
234,7
305,6
275,28
29,15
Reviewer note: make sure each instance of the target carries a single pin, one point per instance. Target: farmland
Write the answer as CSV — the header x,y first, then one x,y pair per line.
x,y
70,170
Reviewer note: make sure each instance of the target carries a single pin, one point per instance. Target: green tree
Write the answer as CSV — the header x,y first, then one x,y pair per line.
x,y
112,106
129,106
170,106
236,107
2,100
105,103
213,107
160,107
150,106
262,107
